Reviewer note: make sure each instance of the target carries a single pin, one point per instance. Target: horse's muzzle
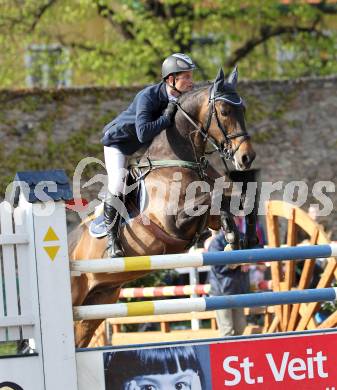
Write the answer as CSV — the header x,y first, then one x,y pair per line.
x,y
245,159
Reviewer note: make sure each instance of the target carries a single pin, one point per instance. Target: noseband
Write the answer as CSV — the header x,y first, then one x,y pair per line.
x,y
226,151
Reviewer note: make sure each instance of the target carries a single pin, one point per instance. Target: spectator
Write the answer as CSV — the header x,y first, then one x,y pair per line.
x,y
228,280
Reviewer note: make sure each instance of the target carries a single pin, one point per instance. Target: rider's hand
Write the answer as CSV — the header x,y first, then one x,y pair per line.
x,y
170,111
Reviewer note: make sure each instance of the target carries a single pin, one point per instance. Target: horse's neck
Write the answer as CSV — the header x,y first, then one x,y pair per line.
x,y
172,144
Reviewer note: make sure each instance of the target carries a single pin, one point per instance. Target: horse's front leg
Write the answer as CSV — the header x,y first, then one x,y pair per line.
x,y
250,239
231,232
85,329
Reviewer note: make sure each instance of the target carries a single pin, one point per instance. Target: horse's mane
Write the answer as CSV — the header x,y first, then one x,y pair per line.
x,y
177,139
192,100
194,93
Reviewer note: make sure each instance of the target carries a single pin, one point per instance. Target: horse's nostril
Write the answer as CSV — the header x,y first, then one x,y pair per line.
x,y
245,159
248,158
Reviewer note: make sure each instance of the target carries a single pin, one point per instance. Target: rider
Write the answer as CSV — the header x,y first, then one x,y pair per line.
x,y
130,133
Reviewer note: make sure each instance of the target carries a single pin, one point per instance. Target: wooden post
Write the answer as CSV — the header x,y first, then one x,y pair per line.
x,y
276,267
289,266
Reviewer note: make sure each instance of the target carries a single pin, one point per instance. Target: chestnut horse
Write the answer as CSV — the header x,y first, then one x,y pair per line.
x,y
178,192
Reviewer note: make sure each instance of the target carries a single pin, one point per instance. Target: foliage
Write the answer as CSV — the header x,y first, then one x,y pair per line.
x,y
124,42
8,348
330,307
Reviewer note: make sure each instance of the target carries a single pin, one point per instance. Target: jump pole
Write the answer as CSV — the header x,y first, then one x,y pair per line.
x,y
165,291
149,263
186,305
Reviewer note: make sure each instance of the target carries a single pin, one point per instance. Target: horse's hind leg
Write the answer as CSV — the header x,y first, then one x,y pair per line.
x,y
79,289
84,330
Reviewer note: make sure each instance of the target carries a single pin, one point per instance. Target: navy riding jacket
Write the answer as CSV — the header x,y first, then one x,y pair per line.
x,y
136,127
223,279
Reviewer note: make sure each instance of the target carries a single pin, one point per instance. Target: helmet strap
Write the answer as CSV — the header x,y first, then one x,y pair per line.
x,y
173,86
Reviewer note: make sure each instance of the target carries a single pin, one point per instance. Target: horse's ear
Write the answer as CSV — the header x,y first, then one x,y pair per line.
x,y
233,77
220,77
219,82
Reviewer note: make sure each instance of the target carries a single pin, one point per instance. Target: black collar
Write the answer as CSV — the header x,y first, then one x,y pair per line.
x,y
163,97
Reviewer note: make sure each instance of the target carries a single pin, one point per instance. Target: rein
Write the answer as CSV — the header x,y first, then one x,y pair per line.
x,y
226,152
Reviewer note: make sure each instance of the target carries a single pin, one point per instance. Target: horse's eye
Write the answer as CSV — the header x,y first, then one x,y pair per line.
x,y
225,112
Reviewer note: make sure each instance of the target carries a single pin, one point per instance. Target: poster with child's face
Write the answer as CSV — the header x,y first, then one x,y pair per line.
x,y
167,368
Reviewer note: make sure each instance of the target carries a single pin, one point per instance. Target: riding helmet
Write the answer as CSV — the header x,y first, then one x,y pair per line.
x,y
175,63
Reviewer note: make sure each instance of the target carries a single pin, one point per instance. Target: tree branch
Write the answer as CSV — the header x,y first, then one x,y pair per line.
x,y
156,7
84,47
124,28
40,12
7,22
267,32
329,9
89,48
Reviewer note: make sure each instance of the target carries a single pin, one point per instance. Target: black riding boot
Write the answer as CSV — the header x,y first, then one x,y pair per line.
x,y
111,217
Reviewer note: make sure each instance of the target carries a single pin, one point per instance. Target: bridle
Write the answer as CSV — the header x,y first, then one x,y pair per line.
x,y
226,151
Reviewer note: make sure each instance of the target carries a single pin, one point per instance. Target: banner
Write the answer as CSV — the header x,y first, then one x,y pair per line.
x,y
300,362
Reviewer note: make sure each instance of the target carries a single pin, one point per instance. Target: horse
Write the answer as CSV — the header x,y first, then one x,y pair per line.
x,y
174,174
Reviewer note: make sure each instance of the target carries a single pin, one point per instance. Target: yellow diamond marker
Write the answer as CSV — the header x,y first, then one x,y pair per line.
x,y
52,251
50,235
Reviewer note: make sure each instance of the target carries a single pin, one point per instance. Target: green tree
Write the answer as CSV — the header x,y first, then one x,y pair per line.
x,y
123,42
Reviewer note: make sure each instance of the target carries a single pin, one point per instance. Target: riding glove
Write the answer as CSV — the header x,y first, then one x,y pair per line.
x,y
170,111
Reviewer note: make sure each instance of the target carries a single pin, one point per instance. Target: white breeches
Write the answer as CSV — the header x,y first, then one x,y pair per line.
x,y
116,165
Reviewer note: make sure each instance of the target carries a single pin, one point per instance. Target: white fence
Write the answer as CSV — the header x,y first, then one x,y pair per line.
x,y
33,271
